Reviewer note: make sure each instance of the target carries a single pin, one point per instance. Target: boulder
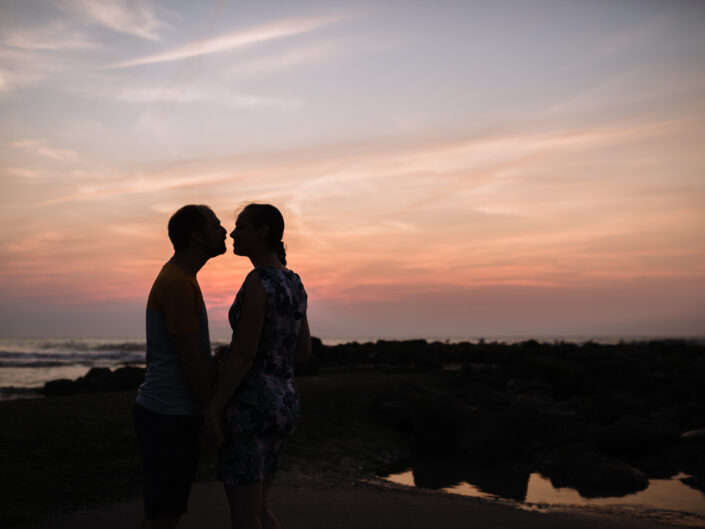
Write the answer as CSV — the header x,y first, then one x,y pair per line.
x,y
609,406
506,479
592,474
489,375
694,435
564,376
635,435
98,379
695,482
657,467
396,413
60,387
438,418
496,436
433,471
128,377
687,456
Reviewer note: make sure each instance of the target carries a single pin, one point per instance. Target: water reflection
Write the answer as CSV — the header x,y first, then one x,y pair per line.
x,y
515,481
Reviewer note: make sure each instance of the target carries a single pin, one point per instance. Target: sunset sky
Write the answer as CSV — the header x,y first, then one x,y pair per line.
x,y
445,168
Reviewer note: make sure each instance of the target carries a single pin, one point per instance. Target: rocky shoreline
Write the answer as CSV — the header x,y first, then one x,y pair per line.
x,y
602,419
597,418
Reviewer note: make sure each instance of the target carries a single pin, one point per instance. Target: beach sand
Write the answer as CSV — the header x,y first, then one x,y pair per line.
x,y
305,501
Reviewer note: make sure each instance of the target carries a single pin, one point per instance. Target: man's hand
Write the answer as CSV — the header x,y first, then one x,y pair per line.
x,y
213,429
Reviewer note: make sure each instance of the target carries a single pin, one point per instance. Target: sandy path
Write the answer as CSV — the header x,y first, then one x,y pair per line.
x,y
311,504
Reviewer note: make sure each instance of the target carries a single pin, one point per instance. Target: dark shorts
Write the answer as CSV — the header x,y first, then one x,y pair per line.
x,y
169,448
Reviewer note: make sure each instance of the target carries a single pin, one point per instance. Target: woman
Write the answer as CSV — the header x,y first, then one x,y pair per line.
x,y
255,405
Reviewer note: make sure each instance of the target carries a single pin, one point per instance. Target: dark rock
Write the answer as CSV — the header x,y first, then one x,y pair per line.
x,y
686,454
485,374
695,482
699,364
594,478
592,474
694,435
696,466
396,413
563,375
405,353
496,436
506,479
128,377
608,407
426,360
316,346
60,387
558,430
634,435
434,472
657,468
98,379
438,418
694,416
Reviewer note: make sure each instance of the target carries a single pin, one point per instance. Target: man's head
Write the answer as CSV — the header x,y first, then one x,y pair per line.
x,y
196,226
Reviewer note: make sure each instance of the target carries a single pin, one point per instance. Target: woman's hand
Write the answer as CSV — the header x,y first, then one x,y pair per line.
x,y
219,354
213,428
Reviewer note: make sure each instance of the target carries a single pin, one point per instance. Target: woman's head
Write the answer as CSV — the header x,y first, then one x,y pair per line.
x,y
259,225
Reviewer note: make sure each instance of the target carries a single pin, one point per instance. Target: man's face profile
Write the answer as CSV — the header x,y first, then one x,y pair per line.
x,y
213,234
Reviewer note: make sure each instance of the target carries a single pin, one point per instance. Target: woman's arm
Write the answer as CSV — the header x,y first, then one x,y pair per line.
x,y
238,360
303,343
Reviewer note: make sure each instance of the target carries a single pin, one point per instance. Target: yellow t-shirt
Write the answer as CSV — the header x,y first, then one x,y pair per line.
x,y
175,306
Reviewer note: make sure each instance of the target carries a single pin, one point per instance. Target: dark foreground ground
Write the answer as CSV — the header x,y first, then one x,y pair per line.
x,y
602,419
316,502
65,453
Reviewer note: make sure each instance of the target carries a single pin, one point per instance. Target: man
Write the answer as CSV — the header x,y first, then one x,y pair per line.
x,y
180,373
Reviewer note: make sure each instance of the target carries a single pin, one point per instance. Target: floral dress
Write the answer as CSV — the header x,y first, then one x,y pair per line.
x,y
265,407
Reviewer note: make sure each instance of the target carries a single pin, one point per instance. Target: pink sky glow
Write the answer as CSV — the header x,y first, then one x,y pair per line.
x,y
460,172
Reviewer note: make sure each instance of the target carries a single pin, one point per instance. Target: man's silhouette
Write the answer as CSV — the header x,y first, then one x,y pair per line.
x,y
180,372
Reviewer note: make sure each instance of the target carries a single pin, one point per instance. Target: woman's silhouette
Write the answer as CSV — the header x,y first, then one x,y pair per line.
x,y
255,404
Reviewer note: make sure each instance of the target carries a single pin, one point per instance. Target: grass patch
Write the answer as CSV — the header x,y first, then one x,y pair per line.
x,y
64,453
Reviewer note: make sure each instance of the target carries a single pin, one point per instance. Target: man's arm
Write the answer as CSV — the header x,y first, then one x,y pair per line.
x,y
181,303
200,373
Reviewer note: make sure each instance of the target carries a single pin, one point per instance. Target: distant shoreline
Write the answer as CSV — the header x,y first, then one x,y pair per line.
x,y
27,364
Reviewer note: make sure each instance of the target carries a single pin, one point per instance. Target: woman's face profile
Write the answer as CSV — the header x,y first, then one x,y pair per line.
x,y
245,236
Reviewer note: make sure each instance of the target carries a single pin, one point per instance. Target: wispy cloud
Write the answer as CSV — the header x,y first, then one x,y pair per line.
x,y
23,172
288,59
40,148
308,54
273,31
22,68
54,37
134,17
191,94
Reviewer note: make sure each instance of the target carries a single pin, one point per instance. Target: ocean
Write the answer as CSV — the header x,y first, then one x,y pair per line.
x,y
27,363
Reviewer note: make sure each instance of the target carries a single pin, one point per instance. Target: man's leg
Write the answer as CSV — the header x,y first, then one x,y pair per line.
x,y
169,452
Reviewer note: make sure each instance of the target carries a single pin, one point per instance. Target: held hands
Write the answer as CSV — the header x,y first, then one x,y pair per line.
x,y
219,354
213,428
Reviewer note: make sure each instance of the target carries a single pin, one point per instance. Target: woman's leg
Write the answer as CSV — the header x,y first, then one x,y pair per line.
x,y
269,521
246,504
